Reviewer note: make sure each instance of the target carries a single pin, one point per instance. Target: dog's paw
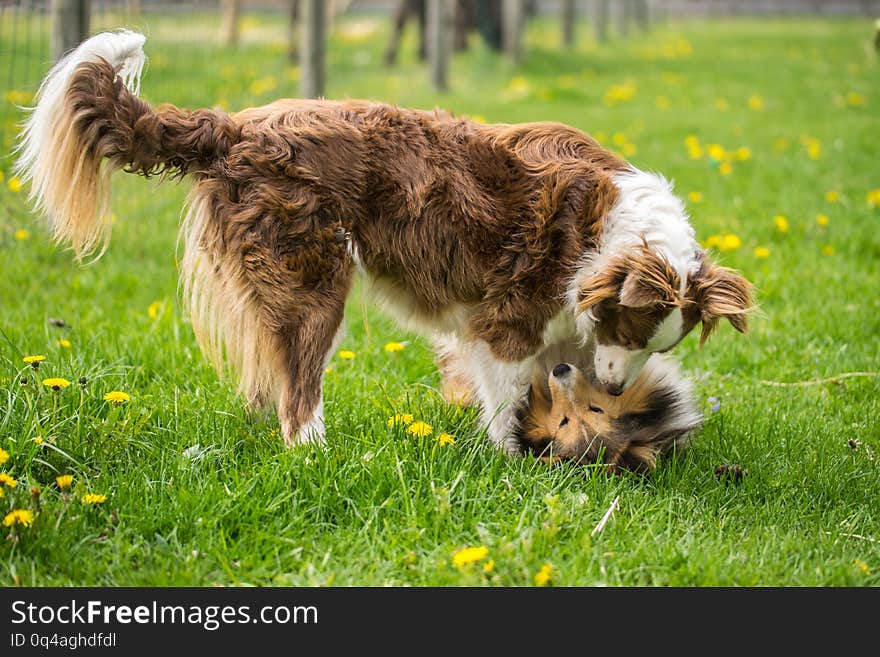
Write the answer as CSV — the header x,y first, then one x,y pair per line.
x,y
311,433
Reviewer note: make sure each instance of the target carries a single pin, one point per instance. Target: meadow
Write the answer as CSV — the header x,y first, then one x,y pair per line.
x,y
769,129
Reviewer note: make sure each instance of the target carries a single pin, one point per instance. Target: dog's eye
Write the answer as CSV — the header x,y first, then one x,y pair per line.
x,y
564,422
596,409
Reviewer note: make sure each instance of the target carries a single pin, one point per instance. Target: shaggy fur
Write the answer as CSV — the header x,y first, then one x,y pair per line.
x,y
484,237
567,416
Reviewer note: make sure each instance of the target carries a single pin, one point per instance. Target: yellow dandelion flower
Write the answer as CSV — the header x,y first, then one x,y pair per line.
x,y
756,103
855,99
721,104
446,439
863,567
38,440
64,343
94,498
7,481
21,234
117,397
695,152
32,360
695,197
2,176
725,169
713,241
716,151
489,566
762,252
619,139
478,118
420,429
263,85
14,185
629,149
393,347
873,198
56,383
828,250
64,481
4,456
543,576
519,85
730,242
743,153
400,418
691,140
22,517
780,144
822,219
619,93
814,150
469,555
155,309
832,196
781,223
345,354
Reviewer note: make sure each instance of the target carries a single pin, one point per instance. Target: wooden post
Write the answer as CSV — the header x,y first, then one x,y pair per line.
x,y
601,9
624,16
643,15
439,20
512,20
568,18
229,25
311,54
70,25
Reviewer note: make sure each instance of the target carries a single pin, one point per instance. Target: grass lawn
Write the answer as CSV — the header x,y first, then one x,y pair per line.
x,y
770,131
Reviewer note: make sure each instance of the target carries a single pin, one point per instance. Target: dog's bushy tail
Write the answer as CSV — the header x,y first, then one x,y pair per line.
x,y
88,122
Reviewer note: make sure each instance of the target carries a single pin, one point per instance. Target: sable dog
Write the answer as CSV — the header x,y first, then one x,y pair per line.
x,y
493,240
567,416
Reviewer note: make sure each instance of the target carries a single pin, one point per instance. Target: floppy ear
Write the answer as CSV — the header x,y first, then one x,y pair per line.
x,y
598,287
637,292
719,293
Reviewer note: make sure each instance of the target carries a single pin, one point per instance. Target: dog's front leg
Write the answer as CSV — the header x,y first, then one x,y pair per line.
x,y
499,385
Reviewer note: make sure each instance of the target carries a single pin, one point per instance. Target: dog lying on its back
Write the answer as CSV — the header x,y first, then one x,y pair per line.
x,y
493,240
567,416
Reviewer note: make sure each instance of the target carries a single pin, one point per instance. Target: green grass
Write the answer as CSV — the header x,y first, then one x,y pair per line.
x,y
200,492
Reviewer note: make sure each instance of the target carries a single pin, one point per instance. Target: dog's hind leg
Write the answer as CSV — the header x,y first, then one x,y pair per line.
x,y
306,341
305,352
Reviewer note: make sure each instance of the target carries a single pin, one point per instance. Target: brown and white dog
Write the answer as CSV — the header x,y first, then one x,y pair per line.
x,y
492,240
567,416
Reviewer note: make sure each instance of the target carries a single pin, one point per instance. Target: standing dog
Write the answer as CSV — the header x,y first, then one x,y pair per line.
x,y
493,240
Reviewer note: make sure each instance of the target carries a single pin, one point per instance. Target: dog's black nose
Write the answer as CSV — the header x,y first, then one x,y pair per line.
x,y
614,389
561,370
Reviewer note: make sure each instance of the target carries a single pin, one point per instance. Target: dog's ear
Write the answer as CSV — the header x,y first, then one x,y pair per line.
x,y
650,280
598,287
719,292
639,292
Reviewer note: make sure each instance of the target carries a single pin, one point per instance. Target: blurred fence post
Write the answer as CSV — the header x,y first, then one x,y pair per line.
x,y
643,14
512,19
624,16
311,54
229,25
601,9
568,18
439,19
70,25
